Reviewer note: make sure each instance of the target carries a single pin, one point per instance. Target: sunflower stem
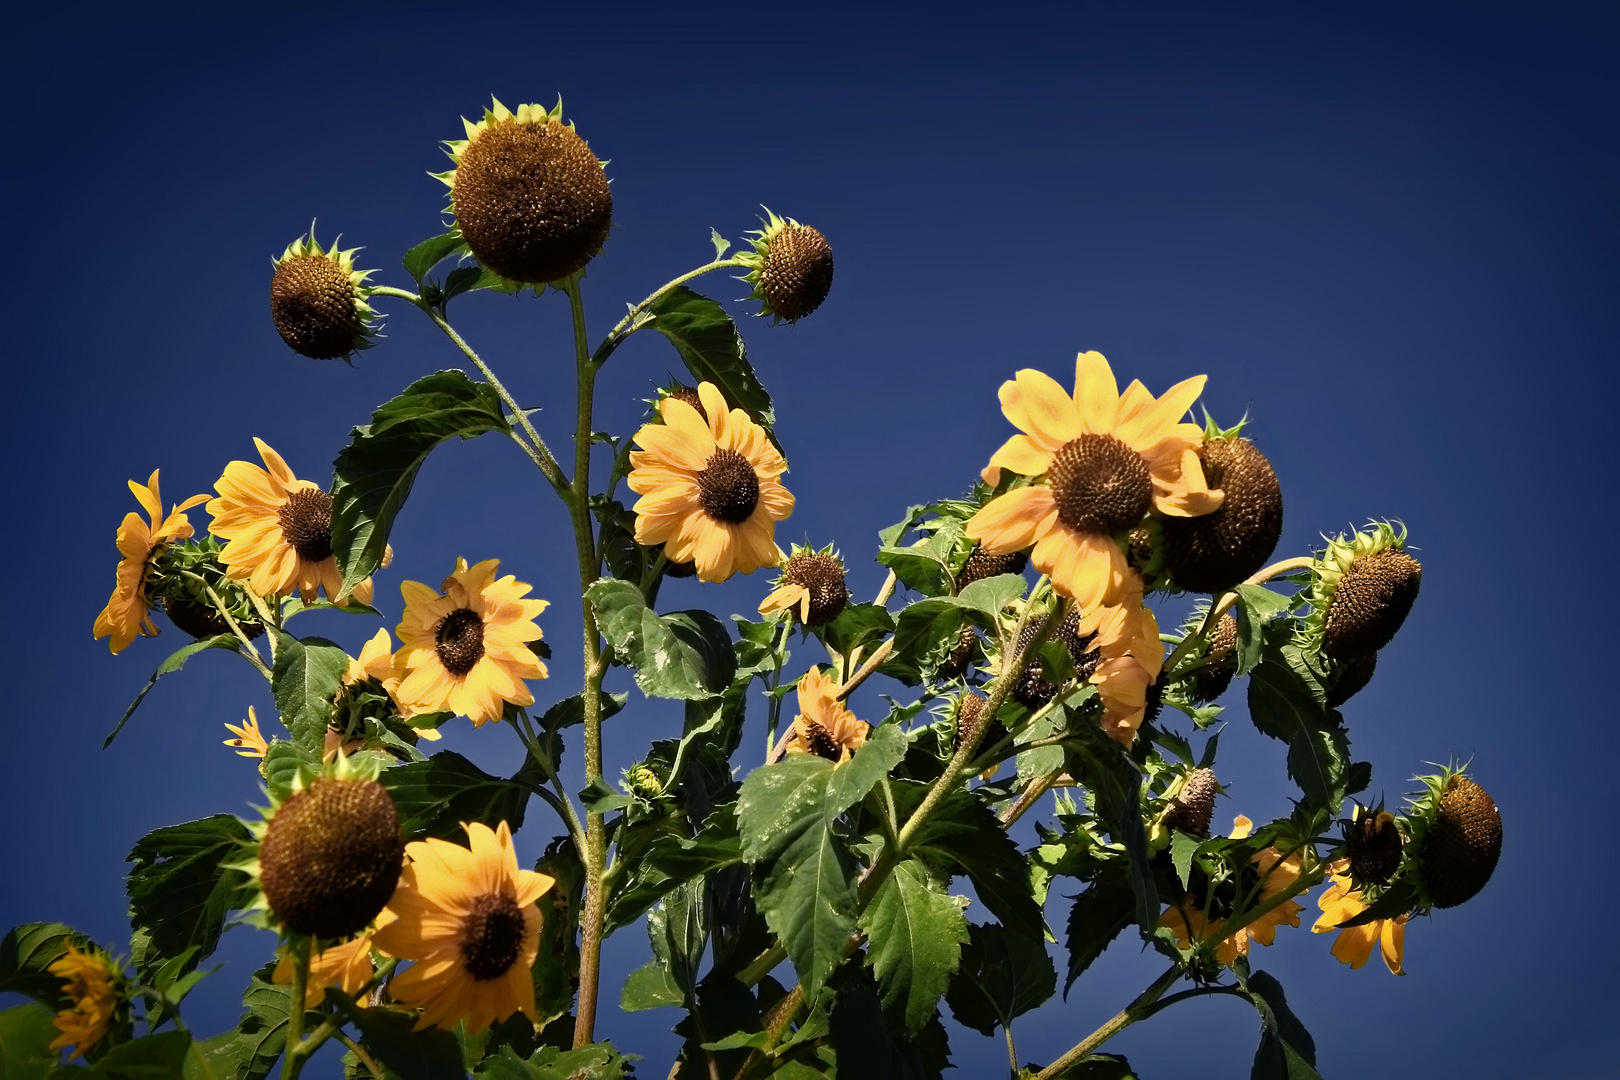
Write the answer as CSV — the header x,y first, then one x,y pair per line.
x,y
1139,1009
779,638
632,320
293,1060
246,645
593,918
1222,606
360,1054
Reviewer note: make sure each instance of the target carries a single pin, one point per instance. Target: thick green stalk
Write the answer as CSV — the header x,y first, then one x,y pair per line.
x,y
293,1059
1139,1009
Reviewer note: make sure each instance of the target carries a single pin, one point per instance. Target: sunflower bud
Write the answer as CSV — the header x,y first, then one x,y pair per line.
x,y
956,663
790,268
318,301
528,195
1460,838
1216,551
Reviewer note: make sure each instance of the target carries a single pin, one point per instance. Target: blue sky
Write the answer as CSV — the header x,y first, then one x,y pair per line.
x,y
1389,236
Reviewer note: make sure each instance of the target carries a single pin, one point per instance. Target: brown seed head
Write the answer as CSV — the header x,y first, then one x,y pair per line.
x,y
1462,844
1211,681
1195,805
797,273
492,936
981,564
1216,551
1354,675
958,661
331,856
1100,485
1032,690
459,641
1374,843
531,200
1370,603
822,575
202,622
312,303
728,488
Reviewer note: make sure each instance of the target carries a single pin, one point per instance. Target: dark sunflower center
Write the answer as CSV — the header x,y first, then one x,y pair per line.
x,y
822,576
459,640
728,489
306,524
1100,485
821,741
331,856
492,937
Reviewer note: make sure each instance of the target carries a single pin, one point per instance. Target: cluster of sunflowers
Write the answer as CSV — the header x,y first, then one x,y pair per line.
x,y
407,930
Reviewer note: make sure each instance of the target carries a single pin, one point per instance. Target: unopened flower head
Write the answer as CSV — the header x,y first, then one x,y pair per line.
x,y
528,195
319,302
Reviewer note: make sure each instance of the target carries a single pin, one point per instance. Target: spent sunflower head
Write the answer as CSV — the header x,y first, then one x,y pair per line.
x,y
91,985
465,648
528,195
1099,461
278,530
790,268
326,857
1216,551
1362,588
369,693
182,575
319,302
1456,832
711,493
468,917
811,586
1212,680
126,615
1192,803
1342,901
824,727
980,564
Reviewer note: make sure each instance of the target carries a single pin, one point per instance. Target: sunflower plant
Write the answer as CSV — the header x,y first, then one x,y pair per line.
x,y
814,906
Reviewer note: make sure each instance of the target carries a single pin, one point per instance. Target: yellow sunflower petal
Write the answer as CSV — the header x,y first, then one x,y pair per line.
x,y
1036,405
1096,394
1014,521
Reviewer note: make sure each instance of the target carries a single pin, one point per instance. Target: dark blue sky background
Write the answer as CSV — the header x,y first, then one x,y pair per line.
x,y
1389,235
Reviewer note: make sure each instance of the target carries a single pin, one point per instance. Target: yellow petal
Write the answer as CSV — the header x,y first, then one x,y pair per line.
x,y
1096,394
1038,406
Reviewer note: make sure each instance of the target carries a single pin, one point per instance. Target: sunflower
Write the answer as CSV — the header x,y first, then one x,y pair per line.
x,y
1127,641
346,965
279,530
1341,902
1274,871
249,741
125,615
91,987
1100,461
468,917
812,585
465,648
710,492
824,727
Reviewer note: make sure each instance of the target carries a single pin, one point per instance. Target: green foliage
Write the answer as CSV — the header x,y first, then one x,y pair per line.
x,y
373,475
669,862
27,951
1257,606
26,1033
1286,1050
406,1054
1100,1067
435,795
306,677
250,1050
180,890
964,836
1287,701
156,1057
1099,914
1003,975
686,655
914,932
713,351
175,662
598,1061
431,252
1115,784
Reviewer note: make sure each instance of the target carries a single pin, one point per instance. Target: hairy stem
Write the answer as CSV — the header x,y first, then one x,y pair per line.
x,y
245,646
359,1052
293,1060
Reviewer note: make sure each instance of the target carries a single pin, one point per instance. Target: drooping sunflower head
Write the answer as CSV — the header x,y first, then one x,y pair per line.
x,y
1192,803
368,696
465,648
93,985
278,530
183,574
529,197
328,855
790,268
1374,844
1362,588
811,586
957,660
468,917
1211,681
980,564
824,727
1214,552
319,302
1350,678
1098,462
1456,838
711,492
1144,552
126,615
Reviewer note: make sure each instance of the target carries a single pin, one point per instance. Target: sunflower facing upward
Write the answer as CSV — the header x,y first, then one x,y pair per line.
x,y
468,917
710,492
1100,461
824,727
279,530
466,648
125,615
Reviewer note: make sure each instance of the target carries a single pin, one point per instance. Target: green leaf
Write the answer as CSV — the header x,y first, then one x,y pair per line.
x,y
155,1057
431,252
679,930
175,662
670,861
571,710
598,1061
1002,976
926,633
306,678
988,596
1287,702
914,932
282,764
686,655
1108,772
373,474
1286,1050
466,279
26,953
712,349
26,1033
650,986
180,891
856,625
1099,914
1257,606
435,795
408,1054
882,751
250,1049
1100,1067
1182,847
965,836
